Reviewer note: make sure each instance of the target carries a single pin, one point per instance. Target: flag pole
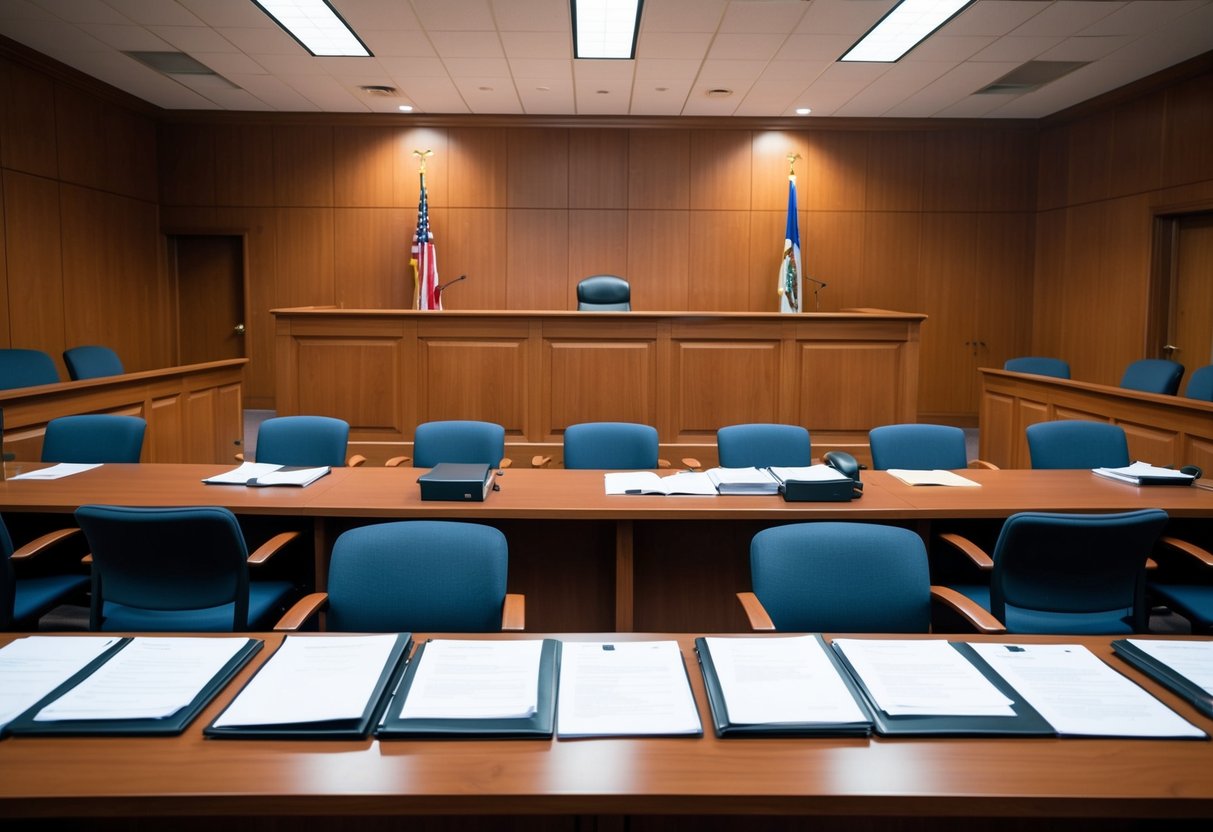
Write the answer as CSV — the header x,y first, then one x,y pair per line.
x,y
422,260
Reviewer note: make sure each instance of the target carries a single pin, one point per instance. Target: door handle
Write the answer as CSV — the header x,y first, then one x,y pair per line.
x,y
238,329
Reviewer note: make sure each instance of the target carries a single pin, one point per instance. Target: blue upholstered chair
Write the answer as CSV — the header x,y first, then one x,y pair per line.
x,y
846,577
94,437
459,441
1153,375
1038,365
1067,573
1194,601
24,600
1075,443
1200,384
416,576
177,569
305,441
918,447
26,368
604,293
92,362
763,445
610,445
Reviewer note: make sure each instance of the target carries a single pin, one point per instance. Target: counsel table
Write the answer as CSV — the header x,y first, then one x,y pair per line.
x,y
884,780
591,562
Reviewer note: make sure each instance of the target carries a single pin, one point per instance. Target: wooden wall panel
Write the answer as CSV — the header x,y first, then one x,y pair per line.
x,y
356,379
407,179
260,228
1007,171
598,244
1004,299
828,369
1090,158
538,168
720,170
724,383
952,170
769,179
478,166
659,169
832,246
948,259
894,178
492,384
186,153
891,275
1053,156
371,249
628,370
5,337
28,140
537,259
80,121
472,241
305,266
35,267
719,261
598,168
244,164
303,166
837,169
1187,147
1048,280
766,251
657,259
164,437
1136,156
364,167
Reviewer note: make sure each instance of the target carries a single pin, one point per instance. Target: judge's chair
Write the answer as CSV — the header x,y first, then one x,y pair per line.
x,y
761,445
1038,365
305,441
92,362
93,437
604,293
431,576
1153,375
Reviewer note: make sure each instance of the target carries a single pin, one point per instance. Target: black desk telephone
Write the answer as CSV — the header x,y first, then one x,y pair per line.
x,y
827,491
844,463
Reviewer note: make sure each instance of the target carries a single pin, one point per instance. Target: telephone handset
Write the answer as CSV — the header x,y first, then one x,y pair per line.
x,y
844,463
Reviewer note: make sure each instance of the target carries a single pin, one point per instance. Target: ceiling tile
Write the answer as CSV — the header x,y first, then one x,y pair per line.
x,y
617,71
262,41
667,68
467,44
814,47
747,71
195,38
127,38
477,67
1138,18
290,65
557,99
489,95
414,67
532,15
659,97
1016,49
538,44
801,72
843,17
237,14
274,92
548,68
1066,17
398,43
370,15
682,15
437,95
325,92
230,63
994,17
683,45
762,16
155,12
1085,48
24,10
603,98
83,11
746,47
942,48
448,16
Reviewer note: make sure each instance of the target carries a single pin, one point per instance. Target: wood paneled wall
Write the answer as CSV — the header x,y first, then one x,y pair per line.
x,y
1102,177
80,242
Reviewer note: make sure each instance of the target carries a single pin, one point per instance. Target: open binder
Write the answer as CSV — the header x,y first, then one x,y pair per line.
x,y
369,710
726,727
1169,676
538,725
170,725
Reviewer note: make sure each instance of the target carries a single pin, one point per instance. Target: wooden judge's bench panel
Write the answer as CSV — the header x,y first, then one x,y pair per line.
x,y
536,373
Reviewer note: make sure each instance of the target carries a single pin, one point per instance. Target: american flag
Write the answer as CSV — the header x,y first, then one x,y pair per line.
x,y
425,258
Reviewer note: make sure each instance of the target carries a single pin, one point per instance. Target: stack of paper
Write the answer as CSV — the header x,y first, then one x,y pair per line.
x,y
265,474
808,473
1143,473
646,482
32,667
743,480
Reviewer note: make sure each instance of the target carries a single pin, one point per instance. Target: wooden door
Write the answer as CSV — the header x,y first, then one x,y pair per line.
x,y
210,293
1190,324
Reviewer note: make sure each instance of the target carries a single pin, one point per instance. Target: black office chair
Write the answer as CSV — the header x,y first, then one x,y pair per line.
x,y
604,293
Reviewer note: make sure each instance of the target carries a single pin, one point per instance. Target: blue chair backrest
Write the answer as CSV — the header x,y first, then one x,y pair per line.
x,y
1200,384
420,576
842,577
1075,443
308,441
763,445
1074,573
610,445
1153,375
26,368
458,441
604,293
94,437
92,362
918,447
1038,365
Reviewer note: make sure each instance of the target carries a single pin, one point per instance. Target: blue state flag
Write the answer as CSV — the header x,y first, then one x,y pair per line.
x,y
789,267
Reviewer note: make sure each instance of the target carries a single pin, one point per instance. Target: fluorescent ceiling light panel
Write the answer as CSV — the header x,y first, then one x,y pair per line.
x,y
316,26
605,28
905,26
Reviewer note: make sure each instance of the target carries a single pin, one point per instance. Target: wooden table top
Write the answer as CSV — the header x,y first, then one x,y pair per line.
x,y
1032,777
544,494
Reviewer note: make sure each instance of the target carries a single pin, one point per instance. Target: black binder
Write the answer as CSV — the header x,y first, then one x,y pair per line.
x,y
168,726
725,728
1163,673
462,482
1026,722
342,729
539,725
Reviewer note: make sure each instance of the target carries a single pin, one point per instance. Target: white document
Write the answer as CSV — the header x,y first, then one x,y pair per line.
x,y
781,680
475,680
33,666
808,473
922,677
625,688
1079,695
1191,659
743,480
1143,473
265,474
646,482
152,677
934,477
58,472
312,679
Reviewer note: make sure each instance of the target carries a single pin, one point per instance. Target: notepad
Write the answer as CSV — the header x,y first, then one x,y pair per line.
x,y
268,474
933,477
58,472
690,483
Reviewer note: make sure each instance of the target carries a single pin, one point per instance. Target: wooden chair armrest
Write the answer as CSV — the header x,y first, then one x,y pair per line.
x,y
970,550
691,463
663,463
540,461
396,461
41,544
513,612
755,612
355,460
506,462
239,456
271,547
87,560
1184,547
301,612
981,463
978,617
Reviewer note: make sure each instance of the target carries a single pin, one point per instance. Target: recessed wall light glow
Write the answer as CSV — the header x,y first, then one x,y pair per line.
x,y
905,26
803,111
316,26
605,28
405,108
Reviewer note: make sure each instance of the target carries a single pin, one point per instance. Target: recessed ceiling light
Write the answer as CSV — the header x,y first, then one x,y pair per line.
x,y
316,26
405,108
605,28
905,26
803,111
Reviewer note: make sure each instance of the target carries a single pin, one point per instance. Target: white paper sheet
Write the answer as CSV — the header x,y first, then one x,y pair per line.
x,y
150,678
1191,659
635,688
311,679
58,472
1079,695
933,477
1133,474
923,677
266,474
646,482
475,680
808,473
777,680
33,666
743,480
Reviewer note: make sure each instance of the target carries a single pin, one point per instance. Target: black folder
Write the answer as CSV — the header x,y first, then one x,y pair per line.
x,y
1026,722
339,729
725,727
539,725
1163,673
170,725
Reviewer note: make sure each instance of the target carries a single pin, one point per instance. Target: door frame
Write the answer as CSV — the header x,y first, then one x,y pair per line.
x,y
1160,305
169,233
